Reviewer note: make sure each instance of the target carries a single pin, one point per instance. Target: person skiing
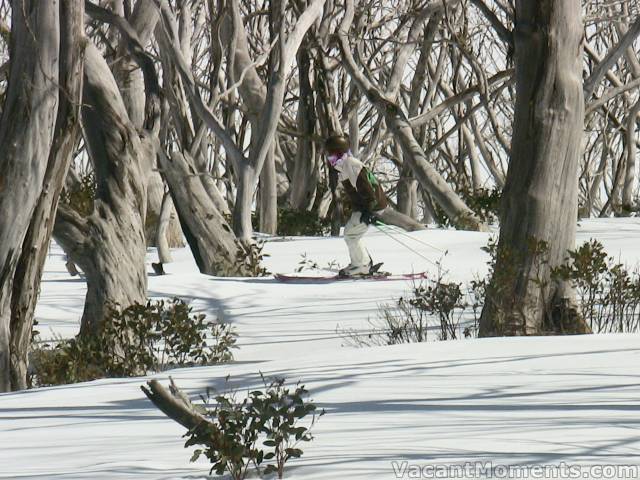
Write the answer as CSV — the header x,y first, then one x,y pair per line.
x,y
366,197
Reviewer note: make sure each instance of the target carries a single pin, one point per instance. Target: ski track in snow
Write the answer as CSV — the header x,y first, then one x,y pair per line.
x,y
523,401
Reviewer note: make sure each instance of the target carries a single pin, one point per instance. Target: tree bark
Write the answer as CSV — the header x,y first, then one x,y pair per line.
x,y
164,253
399,219
26,135
306,172
629,183
174,404
208,233
268,195
540,198
26,285
131,82
110,244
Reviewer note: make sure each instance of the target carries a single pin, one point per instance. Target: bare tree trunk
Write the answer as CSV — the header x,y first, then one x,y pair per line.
x,y
109,245
244,199
611,58
268,195
206,230
164,253
407,184
399,219
26,285
155,204
130,79
629,183
407,192
540,200
594,188
498,177
174,404
305,175
264,130
26,135
127,73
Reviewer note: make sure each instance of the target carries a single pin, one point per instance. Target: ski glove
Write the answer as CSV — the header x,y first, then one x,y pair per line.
x,y
368,218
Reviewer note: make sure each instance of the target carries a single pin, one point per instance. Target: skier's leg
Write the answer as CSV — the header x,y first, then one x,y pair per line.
x,y
354,230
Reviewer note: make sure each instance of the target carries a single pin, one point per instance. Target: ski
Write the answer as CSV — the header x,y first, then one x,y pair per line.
x,y
378,276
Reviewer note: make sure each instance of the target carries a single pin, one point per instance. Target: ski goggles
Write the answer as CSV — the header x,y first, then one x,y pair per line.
x,y
333,159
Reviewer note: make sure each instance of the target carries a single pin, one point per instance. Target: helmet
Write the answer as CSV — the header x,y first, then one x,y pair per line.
x,y
336,144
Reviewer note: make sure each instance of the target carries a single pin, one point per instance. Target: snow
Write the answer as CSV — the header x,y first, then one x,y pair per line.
x,y
524,401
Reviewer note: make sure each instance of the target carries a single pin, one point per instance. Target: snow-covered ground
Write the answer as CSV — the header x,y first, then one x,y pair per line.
x,y
564,402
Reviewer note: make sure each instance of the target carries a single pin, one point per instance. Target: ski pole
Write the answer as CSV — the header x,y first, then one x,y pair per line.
x,y
380,223
405,245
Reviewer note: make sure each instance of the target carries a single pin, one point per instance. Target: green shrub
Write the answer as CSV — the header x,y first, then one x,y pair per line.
x,y
81,196
292,222
302,223
234,437
483,202
246,263
608,298
135,341
608,294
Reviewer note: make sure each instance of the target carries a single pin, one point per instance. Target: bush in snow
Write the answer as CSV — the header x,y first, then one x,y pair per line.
x,y
608,293
246,263
432,310
236,432
135,341
302,222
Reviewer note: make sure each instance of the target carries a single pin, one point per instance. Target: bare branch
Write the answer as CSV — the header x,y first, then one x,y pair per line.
x,y
503,32
611,58
174,404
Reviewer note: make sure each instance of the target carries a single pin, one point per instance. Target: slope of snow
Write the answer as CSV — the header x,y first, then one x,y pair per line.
x,y
526,401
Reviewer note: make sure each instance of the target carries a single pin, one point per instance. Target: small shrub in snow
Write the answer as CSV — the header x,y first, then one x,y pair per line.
x,y
135,341
246,263
236,433
307,263
608,294
283,408
302,222
435,306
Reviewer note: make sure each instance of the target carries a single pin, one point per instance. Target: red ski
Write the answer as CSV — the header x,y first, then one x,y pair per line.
x,y
379,276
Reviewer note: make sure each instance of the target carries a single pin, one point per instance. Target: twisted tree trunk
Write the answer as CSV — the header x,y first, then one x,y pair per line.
x,y
109,245
130,79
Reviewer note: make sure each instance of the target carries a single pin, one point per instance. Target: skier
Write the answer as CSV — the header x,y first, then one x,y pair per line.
x,y
366,197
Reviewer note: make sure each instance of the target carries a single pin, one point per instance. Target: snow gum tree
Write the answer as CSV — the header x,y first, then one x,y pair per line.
x,y
37,130
109,245
540,198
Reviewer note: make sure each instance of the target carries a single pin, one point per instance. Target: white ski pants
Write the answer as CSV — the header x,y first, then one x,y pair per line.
x,y
354,230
